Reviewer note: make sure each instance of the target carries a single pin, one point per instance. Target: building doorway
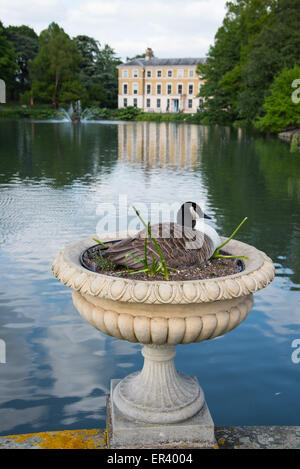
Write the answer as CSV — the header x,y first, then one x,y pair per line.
x,y
175,105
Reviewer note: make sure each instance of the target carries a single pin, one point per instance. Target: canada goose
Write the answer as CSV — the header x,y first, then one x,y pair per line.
x,y
181,243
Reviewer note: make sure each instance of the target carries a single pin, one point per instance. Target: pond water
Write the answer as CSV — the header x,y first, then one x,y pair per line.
x,y
53,179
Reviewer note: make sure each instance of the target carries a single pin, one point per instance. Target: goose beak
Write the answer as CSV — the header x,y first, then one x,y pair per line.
x,y
206,216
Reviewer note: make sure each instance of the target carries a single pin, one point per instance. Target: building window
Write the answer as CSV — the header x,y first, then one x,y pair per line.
x,y
158,103
180,73
135,73
148,89
125,102
158,89
135,88
191,89
158,73
168,104
148,73
125,88
190,103
148,102
201,105
191,73
170,73
125,73
135,102
169,89
179,89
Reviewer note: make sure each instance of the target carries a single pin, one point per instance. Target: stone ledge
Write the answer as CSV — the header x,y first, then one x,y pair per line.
x,y
244,437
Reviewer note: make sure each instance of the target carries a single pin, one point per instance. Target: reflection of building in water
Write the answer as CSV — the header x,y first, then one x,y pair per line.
x,y
159,144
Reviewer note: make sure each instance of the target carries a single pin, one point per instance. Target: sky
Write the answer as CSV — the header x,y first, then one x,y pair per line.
x,y
172,28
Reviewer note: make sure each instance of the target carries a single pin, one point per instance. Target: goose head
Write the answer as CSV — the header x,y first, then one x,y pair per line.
x,y
189,213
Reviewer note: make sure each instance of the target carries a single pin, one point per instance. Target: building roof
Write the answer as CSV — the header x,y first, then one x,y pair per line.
x,y
154,61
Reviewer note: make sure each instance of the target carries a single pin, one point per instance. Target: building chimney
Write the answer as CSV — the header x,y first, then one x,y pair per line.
x,y
149,53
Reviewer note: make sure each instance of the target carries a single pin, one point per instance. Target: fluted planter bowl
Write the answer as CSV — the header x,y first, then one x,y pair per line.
x,y
160,315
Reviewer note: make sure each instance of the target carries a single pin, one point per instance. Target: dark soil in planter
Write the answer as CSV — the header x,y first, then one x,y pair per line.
x,y
213,268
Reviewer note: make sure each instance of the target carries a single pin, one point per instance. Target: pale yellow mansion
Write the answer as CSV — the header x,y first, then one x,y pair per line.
x,y
160,85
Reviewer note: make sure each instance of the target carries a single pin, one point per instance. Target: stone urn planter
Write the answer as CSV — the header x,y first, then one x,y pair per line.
x,y
159,404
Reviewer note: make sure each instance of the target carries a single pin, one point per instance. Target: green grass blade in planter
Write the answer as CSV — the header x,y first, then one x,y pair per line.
x,y
216,253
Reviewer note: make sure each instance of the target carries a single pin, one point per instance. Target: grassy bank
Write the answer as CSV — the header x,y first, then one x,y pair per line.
x,y
127,114
17,111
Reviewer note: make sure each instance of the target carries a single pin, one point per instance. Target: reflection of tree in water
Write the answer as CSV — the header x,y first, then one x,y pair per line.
x,y
251,176
57,152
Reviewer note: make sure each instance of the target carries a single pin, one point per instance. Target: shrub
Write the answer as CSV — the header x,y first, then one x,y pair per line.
x,y
128,113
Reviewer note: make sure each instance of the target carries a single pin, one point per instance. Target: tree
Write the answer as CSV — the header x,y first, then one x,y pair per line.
x,y
107,73
257,39
98,72
281,110
26,45
222,58
275,47
7,60
89,50
55,66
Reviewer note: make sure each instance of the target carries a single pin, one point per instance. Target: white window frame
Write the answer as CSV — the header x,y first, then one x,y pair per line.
x,y
149,73
158,100
190,84
180,73
148,101
159,84
135,102
171,73
125,99
135,73
179,84
157,73
125,84
190,101
135,87
125,73
191,73
169,84
148,84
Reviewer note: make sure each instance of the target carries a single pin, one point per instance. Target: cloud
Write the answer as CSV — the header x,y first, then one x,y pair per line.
x,y
171,27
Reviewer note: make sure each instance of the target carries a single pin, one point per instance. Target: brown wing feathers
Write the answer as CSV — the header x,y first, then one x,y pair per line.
x,y
179,246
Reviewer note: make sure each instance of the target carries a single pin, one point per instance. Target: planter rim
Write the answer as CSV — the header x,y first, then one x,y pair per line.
x,y
258,273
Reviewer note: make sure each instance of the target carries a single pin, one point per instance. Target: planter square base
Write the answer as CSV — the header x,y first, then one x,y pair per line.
x,y
196,432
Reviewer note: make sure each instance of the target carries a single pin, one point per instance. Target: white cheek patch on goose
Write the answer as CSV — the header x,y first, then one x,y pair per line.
x,y
194,214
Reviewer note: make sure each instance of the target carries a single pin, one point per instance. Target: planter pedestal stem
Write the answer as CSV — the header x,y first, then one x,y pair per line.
x,y
158,393
159,405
